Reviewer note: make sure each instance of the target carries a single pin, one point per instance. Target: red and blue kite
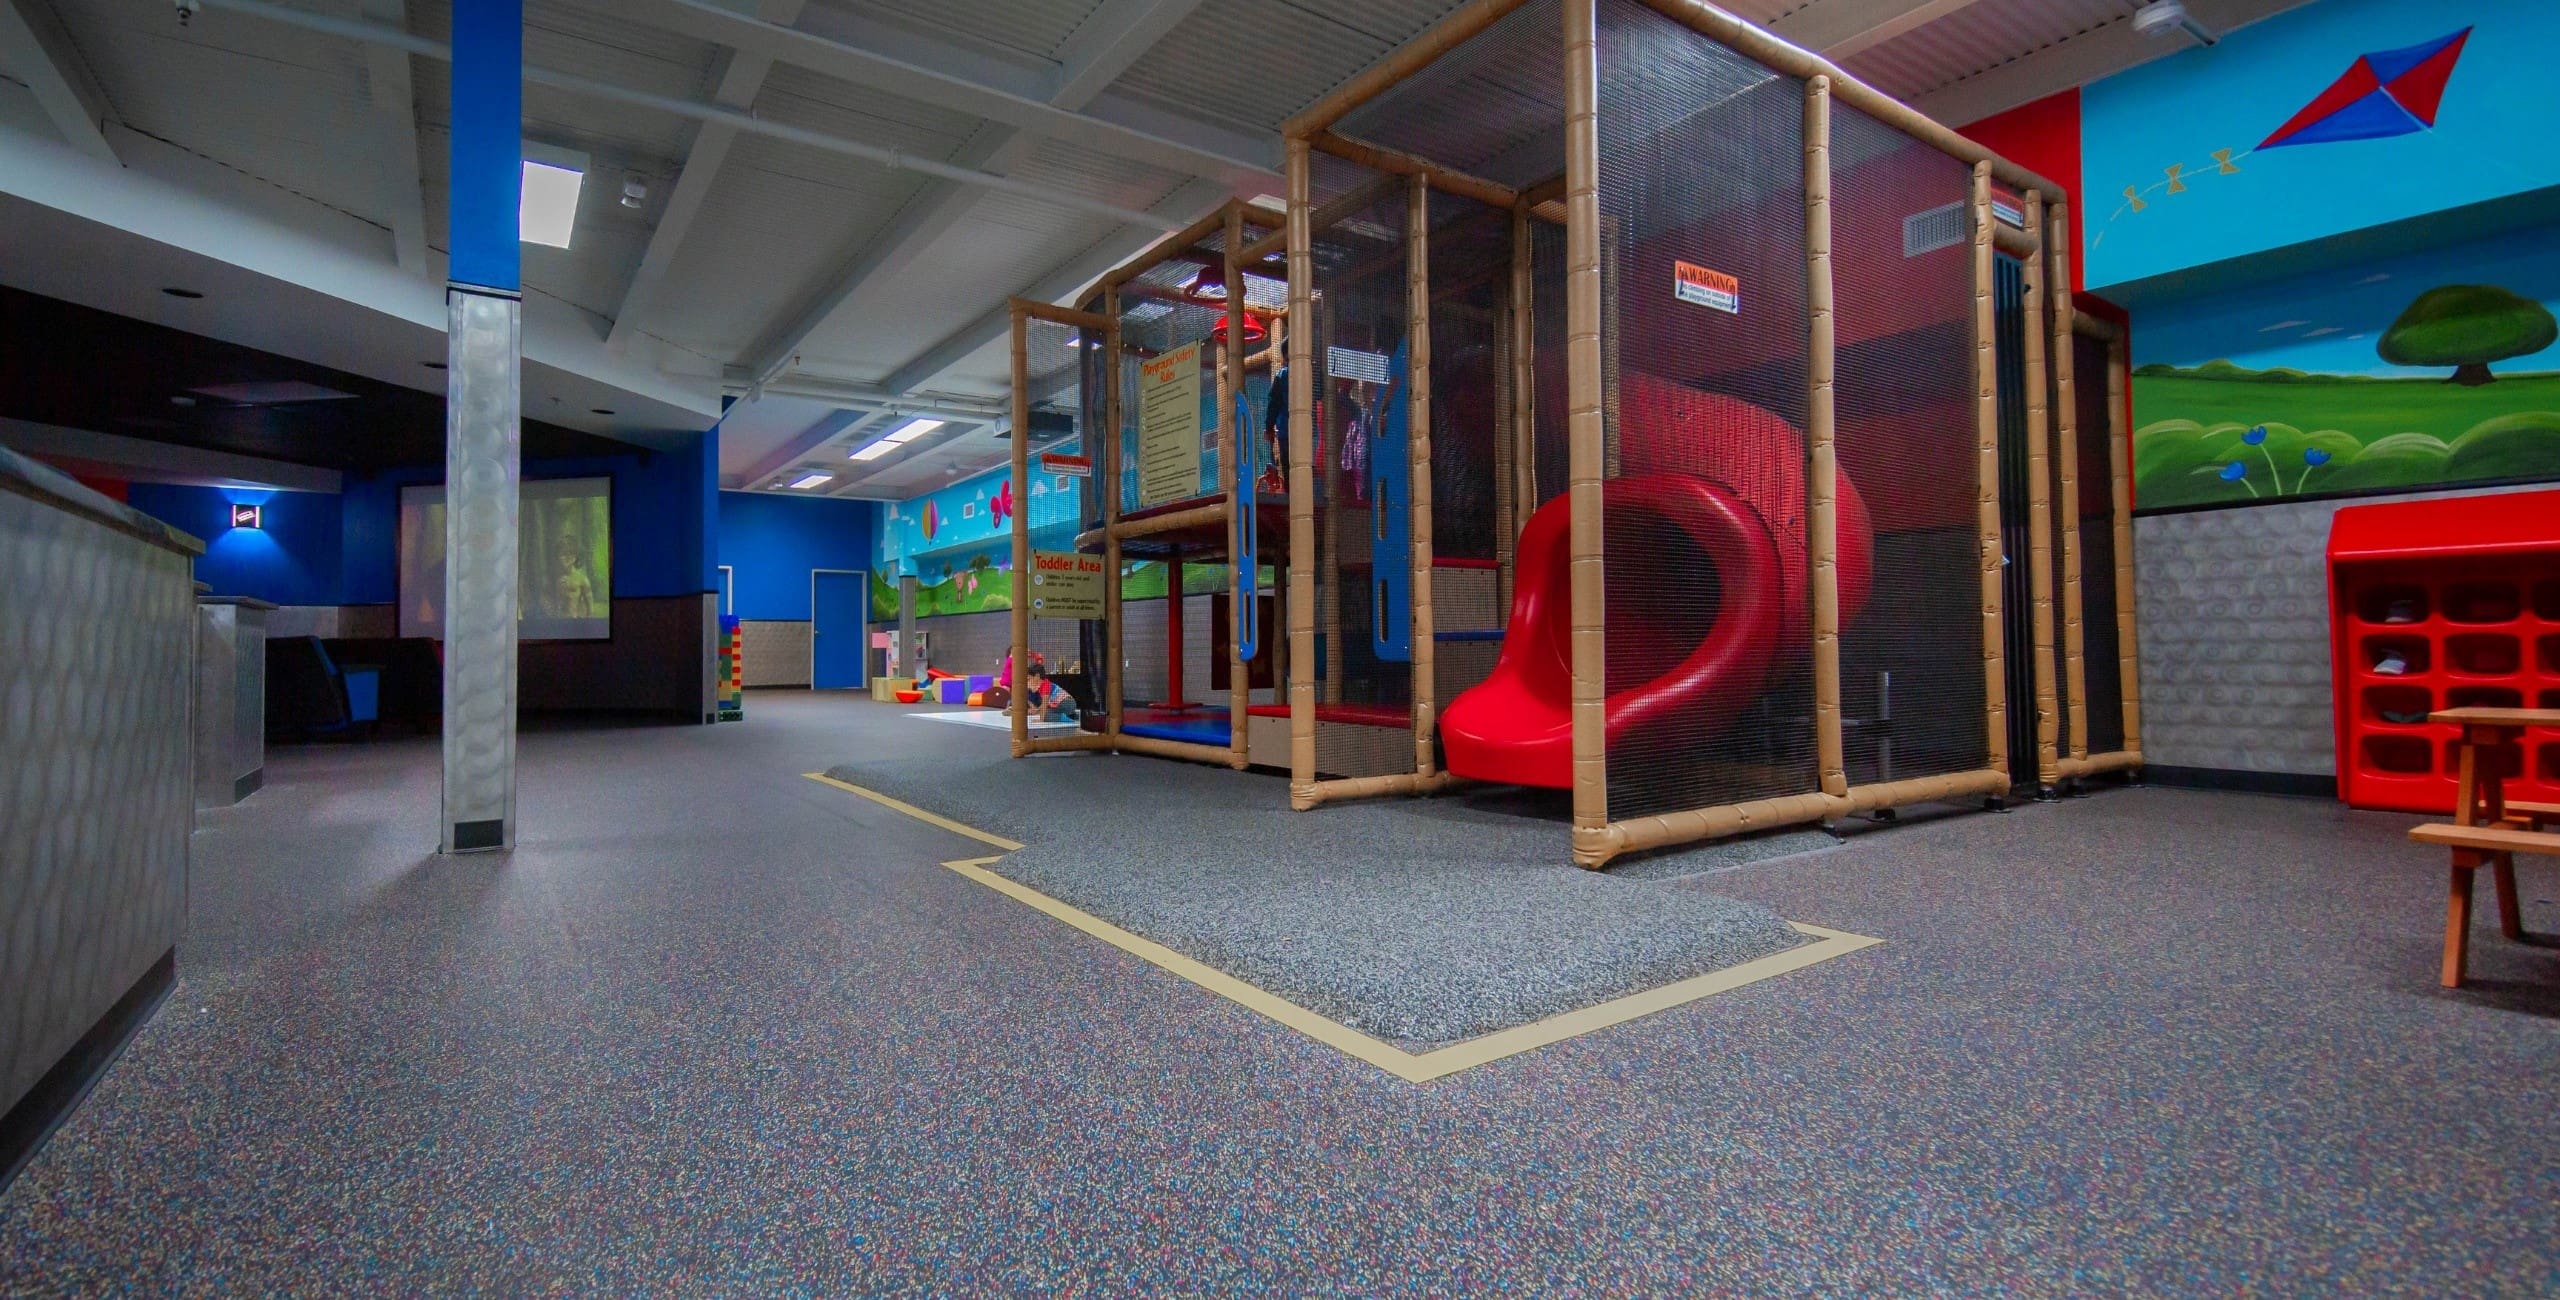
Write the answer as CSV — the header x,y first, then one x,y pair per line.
x,y
2391,92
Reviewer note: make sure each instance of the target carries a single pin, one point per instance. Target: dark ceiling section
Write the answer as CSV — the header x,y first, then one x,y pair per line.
x,y
74,366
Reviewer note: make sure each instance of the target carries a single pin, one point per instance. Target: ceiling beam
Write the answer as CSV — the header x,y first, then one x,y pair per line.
x,y
739,81
393,92
1104,46
40,57
2087,57
1062,280
791,449
1837,29
960,81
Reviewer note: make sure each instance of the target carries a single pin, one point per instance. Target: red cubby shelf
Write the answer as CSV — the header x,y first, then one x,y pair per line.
x,y
2465,593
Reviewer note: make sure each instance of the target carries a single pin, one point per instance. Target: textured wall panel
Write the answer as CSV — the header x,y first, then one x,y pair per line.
x,y
97,662
230,701
777,651
482,465
2232,616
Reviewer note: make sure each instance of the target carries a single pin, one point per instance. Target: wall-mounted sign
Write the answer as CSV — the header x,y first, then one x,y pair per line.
x,y
1057,462
1693,283
1066,585
248,517
1169,426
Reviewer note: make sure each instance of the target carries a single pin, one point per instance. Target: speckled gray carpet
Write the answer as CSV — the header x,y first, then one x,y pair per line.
x,y
713,1029
1419,921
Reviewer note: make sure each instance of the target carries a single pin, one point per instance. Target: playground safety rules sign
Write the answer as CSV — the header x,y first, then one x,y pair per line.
x,y
1696,284
1066,585
1169,426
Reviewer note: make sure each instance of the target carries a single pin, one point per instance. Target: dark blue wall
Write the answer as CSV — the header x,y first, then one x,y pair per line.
x,y
772,542
293,559
318,549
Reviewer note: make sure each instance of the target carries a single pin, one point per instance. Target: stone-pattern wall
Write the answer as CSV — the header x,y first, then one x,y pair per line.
x,y
2232,611
97,670
776,651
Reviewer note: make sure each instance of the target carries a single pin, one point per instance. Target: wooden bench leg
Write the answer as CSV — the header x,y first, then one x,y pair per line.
x,y
2457,918
2510,916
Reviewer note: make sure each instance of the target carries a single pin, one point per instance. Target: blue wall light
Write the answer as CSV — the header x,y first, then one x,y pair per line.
x,y
245,516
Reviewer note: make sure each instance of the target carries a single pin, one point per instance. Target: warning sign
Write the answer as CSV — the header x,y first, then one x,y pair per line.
x,y
1066,585
1058,462
1693,283
1169,426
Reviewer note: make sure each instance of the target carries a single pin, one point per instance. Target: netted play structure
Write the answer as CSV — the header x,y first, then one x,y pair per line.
x,y
1164,373
1658,405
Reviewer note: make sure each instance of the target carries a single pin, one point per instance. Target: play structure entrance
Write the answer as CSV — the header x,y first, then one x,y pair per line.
x,y
1661,416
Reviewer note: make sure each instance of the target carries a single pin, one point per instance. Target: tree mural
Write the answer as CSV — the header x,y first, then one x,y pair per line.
x,y
2467,326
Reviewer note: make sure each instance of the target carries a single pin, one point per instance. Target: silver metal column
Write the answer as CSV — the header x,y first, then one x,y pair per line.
x,y
482,465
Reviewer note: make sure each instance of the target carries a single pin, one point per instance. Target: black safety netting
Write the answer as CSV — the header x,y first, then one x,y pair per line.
x,y
1362,365
1065,403
1703,318
2102,646
1907,444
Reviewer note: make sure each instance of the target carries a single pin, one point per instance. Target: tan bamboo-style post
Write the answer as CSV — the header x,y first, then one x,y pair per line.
x,y
1016,705
1417,391
1986,388
1302,490
1823,475
2066,448
1523,430
1239,493
2120,469
1111,582
1584,432
2040,506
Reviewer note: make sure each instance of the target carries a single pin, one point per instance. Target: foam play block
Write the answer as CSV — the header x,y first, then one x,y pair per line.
x,y
951,690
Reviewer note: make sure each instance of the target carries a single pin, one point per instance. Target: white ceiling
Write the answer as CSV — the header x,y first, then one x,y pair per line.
x,y
841,292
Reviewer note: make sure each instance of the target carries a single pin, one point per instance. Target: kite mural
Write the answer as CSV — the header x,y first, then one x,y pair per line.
x,y
2393,92
2382,94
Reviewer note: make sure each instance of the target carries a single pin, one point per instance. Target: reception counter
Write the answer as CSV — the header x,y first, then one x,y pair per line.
x,y
97,660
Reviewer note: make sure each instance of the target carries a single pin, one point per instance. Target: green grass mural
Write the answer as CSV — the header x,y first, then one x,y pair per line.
x,y
976,588
2221,433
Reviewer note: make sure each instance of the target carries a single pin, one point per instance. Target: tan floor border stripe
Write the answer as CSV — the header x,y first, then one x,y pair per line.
x,y
1409,1066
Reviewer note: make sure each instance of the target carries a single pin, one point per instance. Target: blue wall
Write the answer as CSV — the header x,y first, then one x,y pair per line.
x,y
319,549
292,560
772,542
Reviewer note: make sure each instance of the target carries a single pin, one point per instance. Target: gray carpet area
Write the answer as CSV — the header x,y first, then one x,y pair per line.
x,y
713,1029
1419,921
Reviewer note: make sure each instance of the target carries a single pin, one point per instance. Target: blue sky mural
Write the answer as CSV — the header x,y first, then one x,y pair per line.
x,y
2330,323
2490,137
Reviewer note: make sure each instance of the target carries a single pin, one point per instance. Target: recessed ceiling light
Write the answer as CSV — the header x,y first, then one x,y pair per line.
x,y
910,431
600,410
875,451
188,294
812,480
549,205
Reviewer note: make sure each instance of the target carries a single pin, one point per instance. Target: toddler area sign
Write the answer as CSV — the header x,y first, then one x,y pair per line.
x,y
1066,585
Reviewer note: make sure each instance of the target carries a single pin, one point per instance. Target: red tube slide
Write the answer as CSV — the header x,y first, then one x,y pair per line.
x,y
1733,513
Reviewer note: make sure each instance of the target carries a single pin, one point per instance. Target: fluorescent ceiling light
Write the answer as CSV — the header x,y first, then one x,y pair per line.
x,y
898,437
549,206
812,480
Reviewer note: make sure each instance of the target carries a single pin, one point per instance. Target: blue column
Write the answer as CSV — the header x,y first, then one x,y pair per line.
x,y
483,435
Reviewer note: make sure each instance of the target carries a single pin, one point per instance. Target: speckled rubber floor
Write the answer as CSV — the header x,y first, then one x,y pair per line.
x,y
716,1029
1419,921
